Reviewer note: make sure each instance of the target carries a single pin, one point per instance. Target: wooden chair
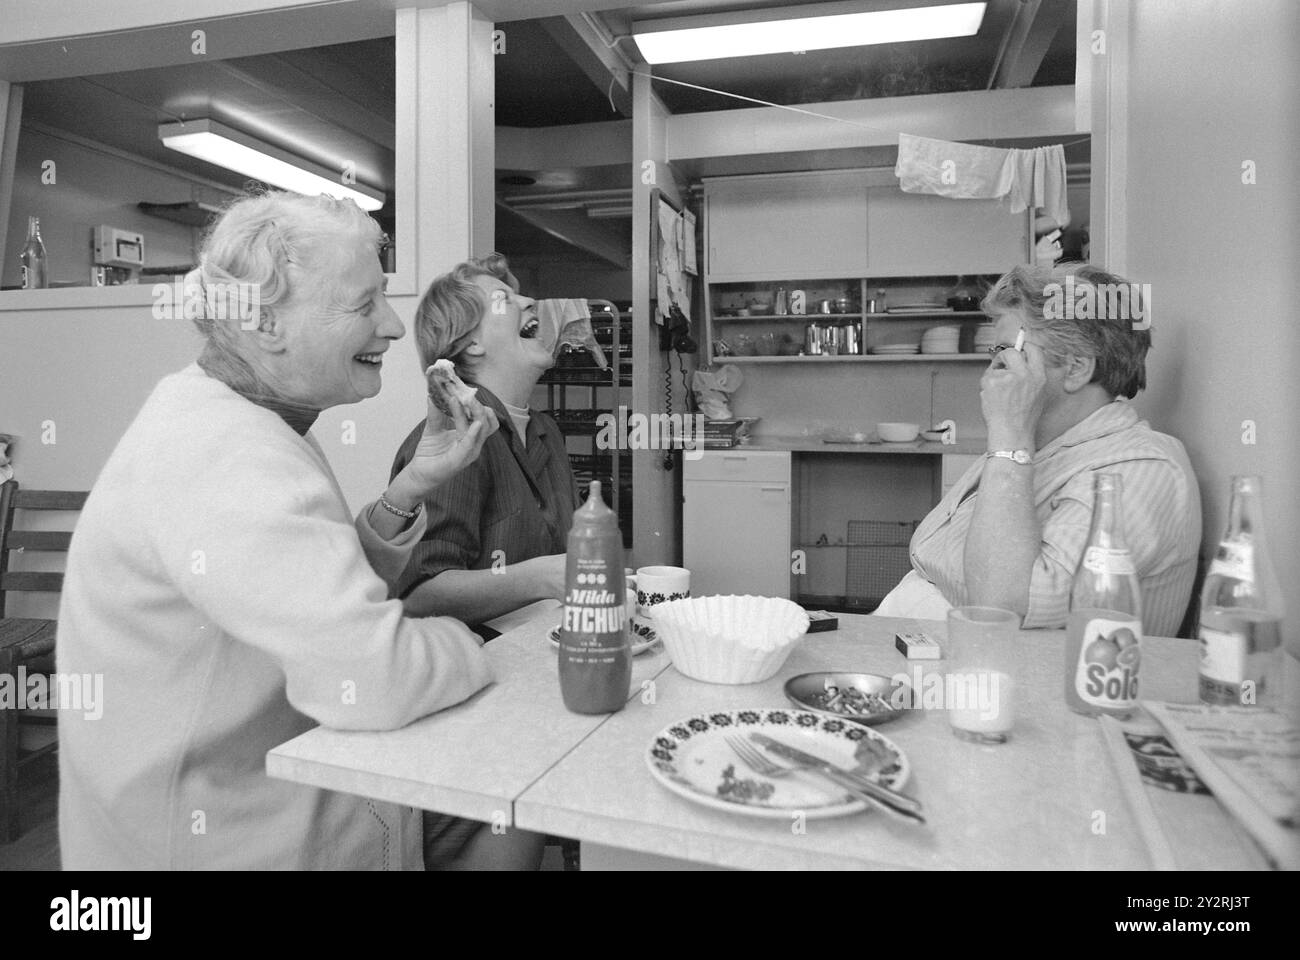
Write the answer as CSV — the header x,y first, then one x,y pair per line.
x,y
26,642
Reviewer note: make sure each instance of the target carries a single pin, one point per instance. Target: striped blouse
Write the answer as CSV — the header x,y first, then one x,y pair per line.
x,y
1162,518
513,503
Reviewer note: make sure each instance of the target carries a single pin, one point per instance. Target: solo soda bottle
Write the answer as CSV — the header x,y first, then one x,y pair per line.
x,y
1103,636
595,651
1241,606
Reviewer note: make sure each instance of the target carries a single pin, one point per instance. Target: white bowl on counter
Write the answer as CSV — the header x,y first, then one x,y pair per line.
x,y
730,639
898,432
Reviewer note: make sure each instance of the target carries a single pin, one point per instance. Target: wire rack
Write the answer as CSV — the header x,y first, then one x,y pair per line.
x,y
575,377
877,559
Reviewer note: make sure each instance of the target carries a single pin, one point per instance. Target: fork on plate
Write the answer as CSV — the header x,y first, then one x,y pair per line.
x,y
765,767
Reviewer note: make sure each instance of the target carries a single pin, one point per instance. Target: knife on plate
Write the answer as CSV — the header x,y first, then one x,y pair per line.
x,y
882,796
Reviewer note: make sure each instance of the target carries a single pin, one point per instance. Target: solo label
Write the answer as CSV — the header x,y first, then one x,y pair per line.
x,y
1109,656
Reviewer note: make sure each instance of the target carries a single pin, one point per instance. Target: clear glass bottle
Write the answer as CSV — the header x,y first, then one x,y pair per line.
x,y
780,307
1103,635
33,256
1241,607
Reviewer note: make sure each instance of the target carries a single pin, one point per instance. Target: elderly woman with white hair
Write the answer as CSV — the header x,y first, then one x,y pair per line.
x,y
219,585
1011,532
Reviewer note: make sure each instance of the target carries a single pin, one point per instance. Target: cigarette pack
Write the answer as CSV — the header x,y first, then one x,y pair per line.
x,y
819,620
918,645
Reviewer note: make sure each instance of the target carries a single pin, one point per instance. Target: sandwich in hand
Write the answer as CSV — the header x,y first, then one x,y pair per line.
x,y
445,384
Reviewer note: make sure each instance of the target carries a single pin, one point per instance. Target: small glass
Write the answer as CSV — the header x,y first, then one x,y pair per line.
x,y
979,687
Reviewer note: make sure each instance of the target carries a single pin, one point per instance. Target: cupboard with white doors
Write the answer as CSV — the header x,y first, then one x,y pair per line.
x,y
918,235
800,225
736,522
852,223
789,255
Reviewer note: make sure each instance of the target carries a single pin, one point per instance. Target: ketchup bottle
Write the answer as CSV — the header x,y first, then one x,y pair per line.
x,y
595,651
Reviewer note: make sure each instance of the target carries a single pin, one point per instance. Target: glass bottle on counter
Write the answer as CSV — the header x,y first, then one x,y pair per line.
x,y
1241,607
33,257
1103,635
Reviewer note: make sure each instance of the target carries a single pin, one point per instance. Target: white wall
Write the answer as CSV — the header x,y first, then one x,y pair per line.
x,y
86,372
1212,85
93,188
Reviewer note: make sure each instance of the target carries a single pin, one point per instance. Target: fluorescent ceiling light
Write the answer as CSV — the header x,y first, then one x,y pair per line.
x,y
799,28
226,147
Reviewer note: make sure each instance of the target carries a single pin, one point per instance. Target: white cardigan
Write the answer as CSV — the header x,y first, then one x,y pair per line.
x,y
218,584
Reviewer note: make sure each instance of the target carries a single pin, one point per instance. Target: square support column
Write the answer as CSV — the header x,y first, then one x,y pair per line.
x,y
453,135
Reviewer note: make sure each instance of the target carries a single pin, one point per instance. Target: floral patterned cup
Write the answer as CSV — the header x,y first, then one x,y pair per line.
x,y
656,585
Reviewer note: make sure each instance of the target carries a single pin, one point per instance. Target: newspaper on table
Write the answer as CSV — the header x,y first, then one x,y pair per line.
x,y
1173,808
1191,771
1249,757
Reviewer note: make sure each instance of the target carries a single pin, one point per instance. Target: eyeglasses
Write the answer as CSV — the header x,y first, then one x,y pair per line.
x,y
1021,340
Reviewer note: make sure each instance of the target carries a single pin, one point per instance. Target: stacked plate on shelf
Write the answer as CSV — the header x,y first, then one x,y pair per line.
x,y
895,349
925,307
940,339
984,338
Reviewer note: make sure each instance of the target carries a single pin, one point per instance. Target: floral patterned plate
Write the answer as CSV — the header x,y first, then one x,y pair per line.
x,y
643,635
692,759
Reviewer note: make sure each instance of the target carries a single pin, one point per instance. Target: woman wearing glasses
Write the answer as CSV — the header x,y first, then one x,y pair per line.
x,y
1011,532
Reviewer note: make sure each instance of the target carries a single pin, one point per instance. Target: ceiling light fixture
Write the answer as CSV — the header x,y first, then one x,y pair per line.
x,y
790,29
226,147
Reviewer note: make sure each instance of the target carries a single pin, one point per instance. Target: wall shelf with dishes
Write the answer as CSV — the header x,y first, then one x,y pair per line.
x,y
865,319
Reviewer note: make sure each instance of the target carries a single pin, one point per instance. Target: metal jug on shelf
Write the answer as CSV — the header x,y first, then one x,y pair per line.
x,y
812,341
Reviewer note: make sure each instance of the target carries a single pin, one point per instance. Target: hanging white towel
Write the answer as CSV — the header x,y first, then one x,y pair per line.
x,y
959,170
965,171
1056,197
567,322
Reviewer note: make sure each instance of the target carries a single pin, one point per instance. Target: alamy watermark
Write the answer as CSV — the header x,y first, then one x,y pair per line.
x,y
651,431
215,301
60,691
75,913
1090,301
981,693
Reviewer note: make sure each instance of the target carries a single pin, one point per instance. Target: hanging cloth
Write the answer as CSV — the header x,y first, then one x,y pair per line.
x,y
964,171
567,322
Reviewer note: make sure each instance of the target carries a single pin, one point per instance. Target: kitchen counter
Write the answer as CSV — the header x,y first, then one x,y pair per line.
x,y
967,446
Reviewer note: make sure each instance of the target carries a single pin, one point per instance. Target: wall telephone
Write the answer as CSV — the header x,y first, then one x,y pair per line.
x,y
675,333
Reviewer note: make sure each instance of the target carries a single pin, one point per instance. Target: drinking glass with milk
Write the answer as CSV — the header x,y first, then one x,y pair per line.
x,y
979,688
